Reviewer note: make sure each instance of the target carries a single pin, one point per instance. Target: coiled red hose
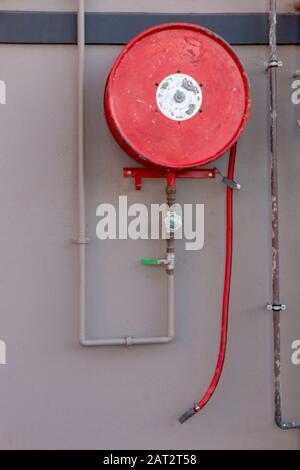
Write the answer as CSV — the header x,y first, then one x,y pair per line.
x,y
226,296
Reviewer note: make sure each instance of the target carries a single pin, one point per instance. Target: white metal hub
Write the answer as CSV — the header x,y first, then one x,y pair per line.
x,y
179,97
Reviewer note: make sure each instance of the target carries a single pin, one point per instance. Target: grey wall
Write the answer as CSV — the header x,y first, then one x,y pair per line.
x,y
55,394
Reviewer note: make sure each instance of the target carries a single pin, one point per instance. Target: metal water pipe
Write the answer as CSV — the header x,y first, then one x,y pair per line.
x,y
277,307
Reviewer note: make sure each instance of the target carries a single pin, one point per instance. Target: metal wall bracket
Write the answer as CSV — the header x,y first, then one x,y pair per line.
x,y
231,184
139,173
274,64
228,182
276,308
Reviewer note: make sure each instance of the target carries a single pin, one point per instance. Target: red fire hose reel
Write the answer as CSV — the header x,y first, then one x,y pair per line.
x,y
177,98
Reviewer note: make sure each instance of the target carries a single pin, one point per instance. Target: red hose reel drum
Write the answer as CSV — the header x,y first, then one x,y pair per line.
x,y
177,97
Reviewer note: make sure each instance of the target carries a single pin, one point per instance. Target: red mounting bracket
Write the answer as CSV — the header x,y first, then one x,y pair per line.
x,y
139,173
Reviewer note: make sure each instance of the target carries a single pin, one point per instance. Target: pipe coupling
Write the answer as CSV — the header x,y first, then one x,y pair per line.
x,y
171,262
171,195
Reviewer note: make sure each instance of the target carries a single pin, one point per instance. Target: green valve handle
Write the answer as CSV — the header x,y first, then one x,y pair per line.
x,y
150,262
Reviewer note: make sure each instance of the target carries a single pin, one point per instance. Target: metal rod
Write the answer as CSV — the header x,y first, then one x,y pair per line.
x,y
273,66
82,240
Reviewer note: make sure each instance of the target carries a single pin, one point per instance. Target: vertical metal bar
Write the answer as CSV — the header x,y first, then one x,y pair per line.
x,y
273,66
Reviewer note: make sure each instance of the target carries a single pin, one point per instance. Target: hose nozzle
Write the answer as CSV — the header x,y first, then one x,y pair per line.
x,y
189,414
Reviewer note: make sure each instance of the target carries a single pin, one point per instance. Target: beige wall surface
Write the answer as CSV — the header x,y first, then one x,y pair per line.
x,y
150,6
56,394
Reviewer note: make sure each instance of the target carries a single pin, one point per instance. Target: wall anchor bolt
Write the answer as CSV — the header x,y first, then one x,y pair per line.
x,y
276,308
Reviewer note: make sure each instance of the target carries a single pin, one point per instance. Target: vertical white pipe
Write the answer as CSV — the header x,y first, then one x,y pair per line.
x,y
171,306
80,169
81,48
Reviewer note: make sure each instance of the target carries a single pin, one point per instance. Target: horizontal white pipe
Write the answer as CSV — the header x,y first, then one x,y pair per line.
x,y
126,342
84,341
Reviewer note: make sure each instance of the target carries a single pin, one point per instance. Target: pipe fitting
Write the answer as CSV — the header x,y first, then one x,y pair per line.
x,y
171,258
173,221
171,195
129,341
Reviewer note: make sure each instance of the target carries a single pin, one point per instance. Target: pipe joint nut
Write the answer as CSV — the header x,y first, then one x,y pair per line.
x,y
171,258
129,341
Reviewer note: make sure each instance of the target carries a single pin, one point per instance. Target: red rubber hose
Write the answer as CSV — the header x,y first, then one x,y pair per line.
x,y
226,296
